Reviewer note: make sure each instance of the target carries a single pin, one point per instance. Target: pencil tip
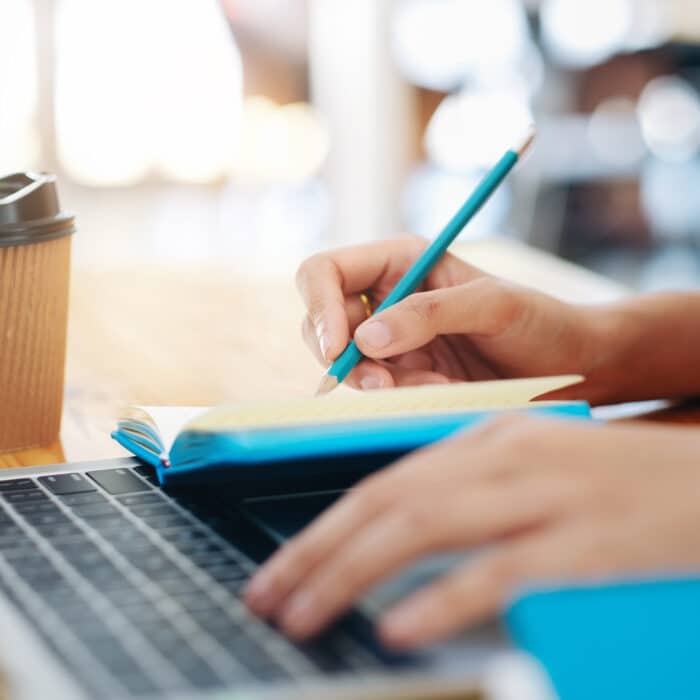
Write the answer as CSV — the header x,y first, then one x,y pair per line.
x,y
328,383
527,140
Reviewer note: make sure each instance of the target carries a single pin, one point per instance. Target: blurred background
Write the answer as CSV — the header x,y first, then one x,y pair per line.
x,y
252,132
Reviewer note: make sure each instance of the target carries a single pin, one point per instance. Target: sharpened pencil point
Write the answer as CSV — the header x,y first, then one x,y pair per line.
x,y
527,140
328,383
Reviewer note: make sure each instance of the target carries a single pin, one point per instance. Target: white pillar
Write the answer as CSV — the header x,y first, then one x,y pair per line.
x,y
369,110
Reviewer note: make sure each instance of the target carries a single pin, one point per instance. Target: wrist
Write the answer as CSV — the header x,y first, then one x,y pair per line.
x,y
608,334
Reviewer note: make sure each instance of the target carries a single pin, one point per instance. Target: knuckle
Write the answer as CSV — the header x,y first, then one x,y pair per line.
x,y
418,518
507,302
412,242
425,307
501,572
525,435
297,555
369,497
304,270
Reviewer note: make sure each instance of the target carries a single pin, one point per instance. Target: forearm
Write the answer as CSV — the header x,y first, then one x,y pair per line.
x,y
644,348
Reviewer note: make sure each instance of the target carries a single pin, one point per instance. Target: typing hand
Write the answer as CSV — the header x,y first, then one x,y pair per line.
x,y
461,324
554,501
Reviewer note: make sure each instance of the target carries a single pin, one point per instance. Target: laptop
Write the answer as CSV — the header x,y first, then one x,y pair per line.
x,y
111,587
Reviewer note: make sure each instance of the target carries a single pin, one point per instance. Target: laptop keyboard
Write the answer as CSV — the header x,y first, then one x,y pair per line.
x,y
138,592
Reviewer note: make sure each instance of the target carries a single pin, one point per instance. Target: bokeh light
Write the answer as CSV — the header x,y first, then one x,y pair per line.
x,y
471,130
125,110
432,196
279,143
670,198
581,33
669,113
439,43
615,135
18,88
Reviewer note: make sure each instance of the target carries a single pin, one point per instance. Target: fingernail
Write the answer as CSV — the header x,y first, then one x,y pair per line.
x,y
376,334
371,381
298,618
322,340
258,592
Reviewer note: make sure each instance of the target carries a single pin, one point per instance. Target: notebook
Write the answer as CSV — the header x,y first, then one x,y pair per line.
x,y
614,639
354,431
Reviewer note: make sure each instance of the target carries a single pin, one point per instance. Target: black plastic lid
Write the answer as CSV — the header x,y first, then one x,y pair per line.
x,y
29,210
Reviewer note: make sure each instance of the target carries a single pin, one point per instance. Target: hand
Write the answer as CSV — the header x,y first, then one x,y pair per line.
x,y
553,500
462,324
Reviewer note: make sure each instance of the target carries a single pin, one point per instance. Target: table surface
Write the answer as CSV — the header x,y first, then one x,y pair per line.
x,y
201,335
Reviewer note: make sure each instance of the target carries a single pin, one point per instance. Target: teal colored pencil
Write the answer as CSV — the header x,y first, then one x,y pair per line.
x,y
427,261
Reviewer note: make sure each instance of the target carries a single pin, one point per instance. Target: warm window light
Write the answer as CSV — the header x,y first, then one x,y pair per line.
x,y
18,87
279,144
438,43
669,112
582,33
472,130
153,87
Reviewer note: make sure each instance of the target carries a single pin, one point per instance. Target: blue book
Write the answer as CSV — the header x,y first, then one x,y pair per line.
x,y
349,433
629,639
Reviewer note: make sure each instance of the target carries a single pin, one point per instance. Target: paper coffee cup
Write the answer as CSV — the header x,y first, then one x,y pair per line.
x,y
35,245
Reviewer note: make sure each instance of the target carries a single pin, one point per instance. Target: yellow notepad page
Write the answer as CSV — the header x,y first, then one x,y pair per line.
x,y
386,403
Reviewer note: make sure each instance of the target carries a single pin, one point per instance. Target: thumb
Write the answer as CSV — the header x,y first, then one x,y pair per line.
x,y
485,306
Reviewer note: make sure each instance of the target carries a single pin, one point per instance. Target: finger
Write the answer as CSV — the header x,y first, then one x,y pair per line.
x,y
477,591
325,280
416,359
369,375
308,333
466,455
355,313
485,306
391,541
401,376
288,566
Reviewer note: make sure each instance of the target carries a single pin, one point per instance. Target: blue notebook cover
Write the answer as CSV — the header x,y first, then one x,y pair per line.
x,y
616,640
244,452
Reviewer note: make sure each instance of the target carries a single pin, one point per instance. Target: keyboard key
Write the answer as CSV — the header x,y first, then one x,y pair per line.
x,y
193,602
231,572
59,531
12,536
167,522
126,596
62,484
46,519
183,536
15,497
146,471
196,546
20,552
138,499
9,485
177,586
153,509
37,507
111,522
87,510
138,684
118,481
79,499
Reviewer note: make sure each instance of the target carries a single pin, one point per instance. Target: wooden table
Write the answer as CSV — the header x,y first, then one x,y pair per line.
x,y
200,335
